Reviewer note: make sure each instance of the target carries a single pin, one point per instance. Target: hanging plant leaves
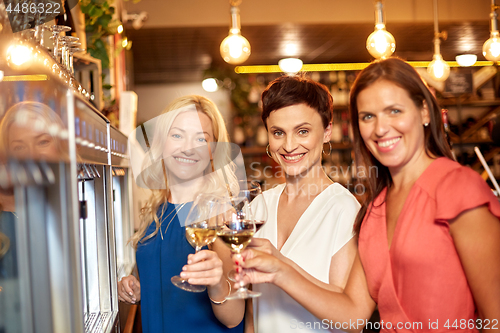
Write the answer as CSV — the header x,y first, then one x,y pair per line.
x,y
104,20
95,12
100,51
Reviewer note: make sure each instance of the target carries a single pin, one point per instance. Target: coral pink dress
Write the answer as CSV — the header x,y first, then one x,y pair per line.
x,y
419,284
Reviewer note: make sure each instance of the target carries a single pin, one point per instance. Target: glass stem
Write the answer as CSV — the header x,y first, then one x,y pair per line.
x,y
241,285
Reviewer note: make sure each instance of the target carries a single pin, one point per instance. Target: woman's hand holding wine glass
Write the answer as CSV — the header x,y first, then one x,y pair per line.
x,y
203,268
237,232
201,225
261,266
252,190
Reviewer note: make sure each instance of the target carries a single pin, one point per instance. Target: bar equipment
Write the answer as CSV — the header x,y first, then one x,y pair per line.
x,y
59,194
122,203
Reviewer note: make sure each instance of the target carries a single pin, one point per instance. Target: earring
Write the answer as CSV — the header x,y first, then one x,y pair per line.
x,y
323,150
426,124
267,152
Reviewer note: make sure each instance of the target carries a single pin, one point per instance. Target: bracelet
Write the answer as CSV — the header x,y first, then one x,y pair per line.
x,y
224,300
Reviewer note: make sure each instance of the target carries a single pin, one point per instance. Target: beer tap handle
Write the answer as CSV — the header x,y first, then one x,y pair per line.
x,y
88,175
49,174
92,169
20,173
35,172
97,172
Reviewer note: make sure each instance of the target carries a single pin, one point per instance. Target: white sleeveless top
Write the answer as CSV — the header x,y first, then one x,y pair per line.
x,y
324,228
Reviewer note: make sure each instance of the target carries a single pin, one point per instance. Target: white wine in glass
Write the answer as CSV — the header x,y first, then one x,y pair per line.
x,y
201,225
251,190
200,234
237,232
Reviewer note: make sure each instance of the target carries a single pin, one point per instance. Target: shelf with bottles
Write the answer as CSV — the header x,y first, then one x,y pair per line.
x,y
470,125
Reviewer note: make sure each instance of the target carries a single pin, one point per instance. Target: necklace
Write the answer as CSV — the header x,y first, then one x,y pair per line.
x,y
168,225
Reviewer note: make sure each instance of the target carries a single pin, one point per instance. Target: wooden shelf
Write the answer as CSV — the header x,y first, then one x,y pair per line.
x,y
472,142
469,103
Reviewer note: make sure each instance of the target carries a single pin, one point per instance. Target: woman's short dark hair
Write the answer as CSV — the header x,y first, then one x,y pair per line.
x,y
292,90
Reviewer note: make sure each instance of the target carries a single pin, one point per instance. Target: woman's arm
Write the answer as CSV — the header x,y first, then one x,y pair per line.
x,y
340,264
210,268
476,234
350,308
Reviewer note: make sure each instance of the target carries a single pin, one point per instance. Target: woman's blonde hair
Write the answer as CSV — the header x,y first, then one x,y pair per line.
x,y
218,174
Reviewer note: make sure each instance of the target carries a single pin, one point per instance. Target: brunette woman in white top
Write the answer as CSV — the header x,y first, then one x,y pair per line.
x,y
310,223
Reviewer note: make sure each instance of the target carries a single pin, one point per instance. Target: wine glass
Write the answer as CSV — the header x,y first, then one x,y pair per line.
x,y
201,224
252,190
237,232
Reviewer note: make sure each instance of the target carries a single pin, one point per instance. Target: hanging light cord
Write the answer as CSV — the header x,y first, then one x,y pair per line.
x,y
437,34
235,3
436,26
379,14
493,16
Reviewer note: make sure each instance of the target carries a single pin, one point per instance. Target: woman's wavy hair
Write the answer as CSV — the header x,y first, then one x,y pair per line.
x,y
402,74
216,173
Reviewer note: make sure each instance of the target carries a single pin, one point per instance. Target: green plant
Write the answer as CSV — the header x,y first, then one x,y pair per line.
x,y
99,23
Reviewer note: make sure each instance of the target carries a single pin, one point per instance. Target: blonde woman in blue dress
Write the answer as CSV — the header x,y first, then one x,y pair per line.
x,y
181,163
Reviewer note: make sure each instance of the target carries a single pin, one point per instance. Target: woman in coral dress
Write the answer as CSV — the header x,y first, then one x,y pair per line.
x,y
429,233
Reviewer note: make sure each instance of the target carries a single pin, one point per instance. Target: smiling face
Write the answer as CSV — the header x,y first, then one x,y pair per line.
x,y
186,151
391,125
25,142
296,136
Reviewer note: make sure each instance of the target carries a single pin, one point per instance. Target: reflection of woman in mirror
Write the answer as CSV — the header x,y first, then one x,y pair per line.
x,y
181,163
29,131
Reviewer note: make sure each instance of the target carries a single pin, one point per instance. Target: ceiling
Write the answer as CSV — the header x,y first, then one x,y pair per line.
x,y
182,47
170,55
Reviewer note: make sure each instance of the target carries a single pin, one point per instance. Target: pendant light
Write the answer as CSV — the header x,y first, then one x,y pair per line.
x,y
235,49
438,69
491,48
380,43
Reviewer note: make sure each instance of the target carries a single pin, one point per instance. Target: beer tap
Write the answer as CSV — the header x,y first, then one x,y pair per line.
x,y
49,174
88,172
35,172
96,172
18,173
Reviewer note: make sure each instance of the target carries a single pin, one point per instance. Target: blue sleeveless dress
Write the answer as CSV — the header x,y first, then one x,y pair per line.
x,y
164,307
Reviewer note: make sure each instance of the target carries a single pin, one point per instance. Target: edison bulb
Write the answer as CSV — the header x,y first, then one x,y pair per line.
x,y
235,49
19,56
491,48
438,69
381,43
